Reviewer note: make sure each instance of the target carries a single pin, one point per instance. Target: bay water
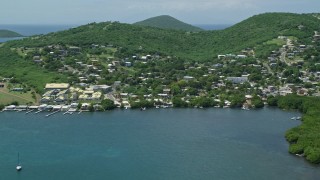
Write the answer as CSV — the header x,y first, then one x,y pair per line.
x,y
153,144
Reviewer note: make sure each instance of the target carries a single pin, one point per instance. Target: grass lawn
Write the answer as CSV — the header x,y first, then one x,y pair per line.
x,y
276,41
7,97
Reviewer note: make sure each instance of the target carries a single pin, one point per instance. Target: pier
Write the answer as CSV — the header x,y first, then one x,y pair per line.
x,y
52,113
38,111
30,111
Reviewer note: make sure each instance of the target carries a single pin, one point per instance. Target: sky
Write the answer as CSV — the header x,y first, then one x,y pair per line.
x,y
130,11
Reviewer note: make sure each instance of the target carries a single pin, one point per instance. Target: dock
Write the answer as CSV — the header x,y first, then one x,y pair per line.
x,y
29,111
38,111
52,113
67,112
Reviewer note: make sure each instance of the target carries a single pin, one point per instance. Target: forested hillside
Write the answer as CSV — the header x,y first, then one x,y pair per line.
x,y
203,45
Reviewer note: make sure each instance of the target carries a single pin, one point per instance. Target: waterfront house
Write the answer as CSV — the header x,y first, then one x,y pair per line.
x,y
10,108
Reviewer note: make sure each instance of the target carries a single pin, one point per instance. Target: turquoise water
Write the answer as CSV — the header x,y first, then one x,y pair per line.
x,y
154,144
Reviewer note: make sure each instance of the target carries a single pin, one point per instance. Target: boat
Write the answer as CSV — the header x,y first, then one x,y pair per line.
x,y
19,167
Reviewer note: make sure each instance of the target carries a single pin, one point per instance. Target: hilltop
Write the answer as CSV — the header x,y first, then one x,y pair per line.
x,y
8,34
168,22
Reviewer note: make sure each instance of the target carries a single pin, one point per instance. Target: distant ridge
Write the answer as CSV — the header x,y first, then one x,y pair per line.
x,y
8,34
168,22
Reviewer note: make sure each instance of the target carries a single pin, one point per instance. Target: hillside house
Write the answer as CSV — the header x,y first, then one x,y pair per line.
x,y
237,80
188,78
74,50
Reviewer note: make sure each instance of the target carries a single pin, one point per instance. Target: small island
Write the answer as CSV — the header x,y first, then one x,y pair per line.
x,y
9,34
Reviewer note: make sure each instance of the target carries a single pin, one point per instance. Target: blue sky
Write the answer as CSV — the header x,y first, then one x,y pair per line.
x,y
129,11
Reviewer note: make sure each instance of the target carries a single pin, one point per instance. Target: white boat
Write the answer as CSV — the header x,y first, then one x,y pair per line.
x,y
18,167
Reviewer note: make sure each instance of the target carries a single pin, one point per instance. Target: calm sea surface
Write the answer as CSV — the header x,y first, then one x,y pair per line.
x,y
213,26
175,144
29,30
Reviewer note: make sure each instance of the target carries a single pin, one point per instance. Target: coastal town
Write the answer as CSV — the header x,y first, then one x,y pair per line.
x,y
164,93
96,73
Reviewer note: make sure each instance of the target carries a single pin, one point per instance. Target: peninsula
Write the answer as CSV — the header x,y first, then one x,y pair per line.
x,y
8,34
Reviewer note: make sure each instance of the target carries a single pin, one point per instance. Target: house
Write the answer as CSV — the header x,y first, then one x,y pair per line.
x,y
45,99
166,91
116,63
128,64
124,95
36,58
237,80
96,96
144,58
188,78
241,56
17,89
273,64
60,99
74,50
103,88
60,86
117,83
221,56
217,65
285,91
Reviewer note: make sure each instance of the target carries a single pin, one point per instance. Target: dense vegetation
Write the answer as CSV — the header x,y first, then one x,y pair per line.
x,y
8,34
168,22
203,46
304,139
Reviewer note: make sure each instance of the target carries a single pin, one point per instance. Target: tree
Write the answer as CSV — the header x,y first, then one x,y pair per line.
x,y
257,102
272,101
91,108
108,104
1,107
237,100
178,102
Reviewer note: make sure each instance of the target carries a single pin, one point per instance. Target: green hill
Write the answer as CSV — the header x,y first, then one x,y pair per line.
x,y
8,34
200,46
168,22
203,45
